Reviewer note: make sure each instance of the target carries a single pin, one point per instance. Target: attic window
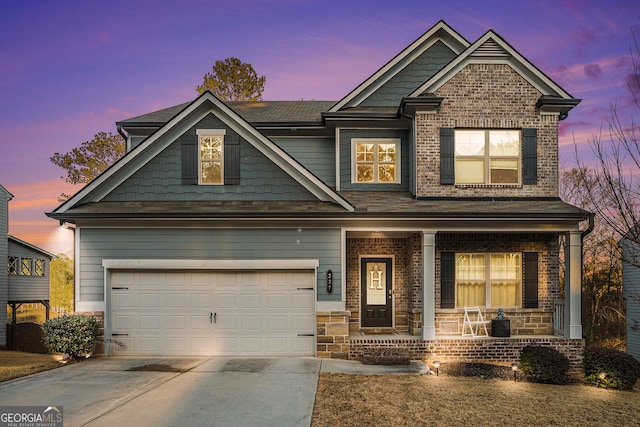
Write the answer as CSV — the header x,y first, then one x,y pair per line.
x,y
375,160
210,156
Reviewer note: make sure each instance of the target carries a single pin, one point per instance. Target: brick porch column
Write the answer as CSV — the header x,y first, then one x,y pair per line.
x,y
428,285
573,285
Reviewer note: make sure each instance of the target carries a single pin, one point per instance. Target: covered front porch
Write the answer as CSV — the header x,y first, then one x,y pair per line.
x,y
420,322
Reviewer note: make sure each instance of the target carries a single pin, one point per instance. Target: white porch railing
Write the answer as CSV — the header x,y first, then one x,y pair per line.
x,y
558,317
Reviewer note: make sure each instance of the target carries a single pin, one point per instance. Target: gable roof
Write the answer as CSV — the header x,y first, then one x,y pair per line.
x,y
491,48
187,117
254,112
28,245
439,32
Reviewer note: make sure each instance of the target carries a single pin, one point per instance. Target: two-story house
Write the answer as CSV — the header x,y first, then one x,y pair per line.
x,y
330,227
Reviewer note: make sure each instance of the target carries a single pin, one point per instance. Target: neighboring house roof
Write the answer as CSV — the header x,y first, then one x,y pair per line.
x,y
185,119
31,247
5,193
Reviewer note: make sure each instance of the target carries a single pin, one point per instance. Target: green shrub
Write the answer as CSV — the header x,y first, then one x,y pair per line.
x,y
544,365
74,335
609,368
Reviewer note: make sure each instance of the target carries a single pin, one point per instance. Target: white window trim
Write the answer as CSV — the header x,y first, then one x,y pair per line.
x,y
210,132
487,278
376,141
487,159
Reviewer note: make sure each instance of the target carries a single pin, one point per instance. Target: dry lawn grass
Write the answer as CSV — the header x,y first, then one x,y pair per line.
x,y
427,400
14,364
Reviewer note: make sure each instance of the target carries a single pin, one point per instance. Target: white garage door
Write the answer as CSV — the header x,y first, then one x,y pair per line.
x,y
212,313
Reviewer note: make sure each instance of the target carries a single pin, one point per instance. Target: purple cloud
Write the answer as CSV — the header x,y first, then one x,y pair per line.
x,y
593,71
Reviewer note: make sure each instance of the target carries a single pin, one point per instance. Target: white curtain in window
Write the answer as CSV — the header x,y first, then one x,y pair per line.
x,y
505,279
471,280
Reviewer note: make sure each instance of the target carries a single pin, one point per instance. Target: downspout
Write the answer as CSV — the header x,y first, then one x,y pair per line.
x,y
590,227
123,135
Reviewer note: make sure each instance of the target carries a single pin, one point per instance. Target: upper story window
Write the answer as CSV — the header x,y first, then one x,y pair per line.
x,y
376,161
12,265
487,156
488,279
25,266
211,156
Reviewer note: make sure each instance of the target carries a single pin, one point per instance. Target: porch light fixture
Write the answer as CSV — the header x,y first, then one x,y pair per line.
x,y
514,368
436,364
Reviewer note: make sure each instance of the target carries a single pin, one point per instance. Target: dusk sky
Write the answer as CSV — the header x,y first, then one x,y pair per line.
x,y
70,69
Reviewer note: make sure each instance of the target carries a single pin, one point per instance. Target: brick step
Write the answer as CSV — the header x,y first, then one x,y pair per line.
x,y
385,356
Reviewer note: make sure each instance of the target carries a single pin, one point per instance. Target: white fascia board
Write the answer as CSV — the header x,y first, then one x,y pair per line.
x,y
516,61
366,87
211,264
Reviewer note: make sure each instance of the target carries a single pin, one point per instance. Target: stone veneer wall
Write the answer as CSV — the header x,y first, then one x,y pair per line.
x,y
333,334
486,96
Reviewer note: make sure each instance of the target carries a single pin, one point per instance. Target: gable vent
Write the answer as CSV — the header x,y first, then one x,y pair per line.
x,y
490,48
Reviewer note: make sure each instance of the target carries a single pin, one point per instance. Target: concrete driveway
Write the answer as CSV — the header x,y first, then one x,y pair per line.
x,y
175,392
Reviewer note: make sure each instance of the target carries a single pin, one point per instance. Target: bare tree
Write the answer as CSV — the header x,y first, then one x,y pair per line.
x,y
613,189
603,306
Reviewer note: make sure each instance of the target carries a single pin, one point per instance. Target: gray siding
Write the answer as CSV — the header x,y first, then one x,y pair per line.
x,y
4,294
411,77
97,244
25,288
631,286
161,178
345,159
318,155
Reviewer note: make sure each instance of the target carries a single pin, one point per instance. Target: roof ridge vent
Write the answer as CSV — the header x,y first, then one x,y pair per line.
x,y
490,48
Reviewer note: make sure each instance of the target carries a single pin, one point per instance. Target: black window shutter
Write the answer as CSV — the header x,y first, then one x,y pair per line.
x,y
530,280
447,156
529,156
232,159
447,280
190,160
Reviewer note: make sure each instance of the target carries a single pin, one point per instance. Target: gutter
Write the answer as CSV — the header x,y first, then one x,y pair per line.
x,y
121,132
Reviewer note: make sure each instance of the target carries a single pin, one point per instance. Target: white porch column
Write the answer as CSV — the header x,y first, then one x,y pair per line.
x,y
428,285
573,285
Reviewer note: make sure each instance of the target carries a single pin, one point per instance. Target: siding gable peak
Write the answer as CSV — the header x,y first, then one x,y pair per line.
x,y
439,32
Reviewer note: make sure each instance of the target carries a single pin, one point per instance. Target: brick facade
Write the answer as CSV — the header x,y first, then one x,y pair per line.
x,y
524,321
486,96
407,281
494,350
